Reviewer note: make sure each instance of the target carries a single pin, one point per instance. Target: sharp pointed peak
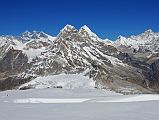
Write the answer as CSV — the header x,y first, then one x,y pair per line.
x,y
148,31
26,32
121,37
86,28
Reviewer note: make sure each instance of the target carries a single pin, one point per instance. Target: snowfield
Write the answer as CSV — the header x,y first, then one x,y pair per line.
x,y
76,104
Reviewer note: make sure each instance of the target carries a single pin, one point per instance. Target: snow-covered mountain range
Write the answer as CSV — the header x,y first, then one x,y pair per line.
x,y
145,41
38,60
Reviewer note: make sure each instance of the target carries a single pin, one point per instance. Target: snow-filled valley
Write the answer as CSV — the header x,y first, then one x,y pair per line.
x,y
76,104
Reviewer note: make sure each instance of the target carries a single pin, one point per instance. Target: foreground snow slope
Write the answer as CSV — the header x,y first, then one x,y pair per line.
x,y
76,104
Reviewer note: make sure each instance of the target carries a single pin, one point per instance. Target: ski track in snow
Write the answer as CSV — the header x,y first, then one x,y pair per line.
x,y
49,100
138,98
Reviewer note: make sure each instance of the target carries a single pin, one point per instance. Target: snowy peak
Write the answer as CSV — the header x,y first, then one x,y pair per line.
x,y
10,41
121,37
85,28
147,40
36,39
121,41
70,27
67,28
85,31
108,42
33,35
147,35
149,31
70,32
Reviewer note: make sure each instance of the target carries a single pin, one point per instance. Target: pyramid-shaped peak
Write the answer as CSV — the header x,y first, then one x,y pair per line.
x,y
26,32
149,30
121,37
86,28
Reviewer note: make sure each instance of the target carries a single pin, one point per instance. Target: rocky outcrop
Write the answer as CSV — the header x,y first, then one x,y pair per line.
x,y
12,65
13,61
12,82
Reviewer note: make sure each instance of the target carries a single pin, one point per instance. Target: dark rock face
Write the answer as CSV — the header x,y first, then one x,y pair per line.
x,y
154,80
149,67
12,64
14,60
12,82
124,57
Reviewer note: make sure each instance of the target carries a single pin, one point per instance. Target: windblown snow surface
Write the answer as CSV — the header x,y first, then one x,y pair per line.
x,y
76,104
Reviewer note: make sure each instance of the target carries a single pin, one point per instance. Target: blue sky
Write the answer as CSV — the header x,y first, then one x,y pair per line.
x,y
107,18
